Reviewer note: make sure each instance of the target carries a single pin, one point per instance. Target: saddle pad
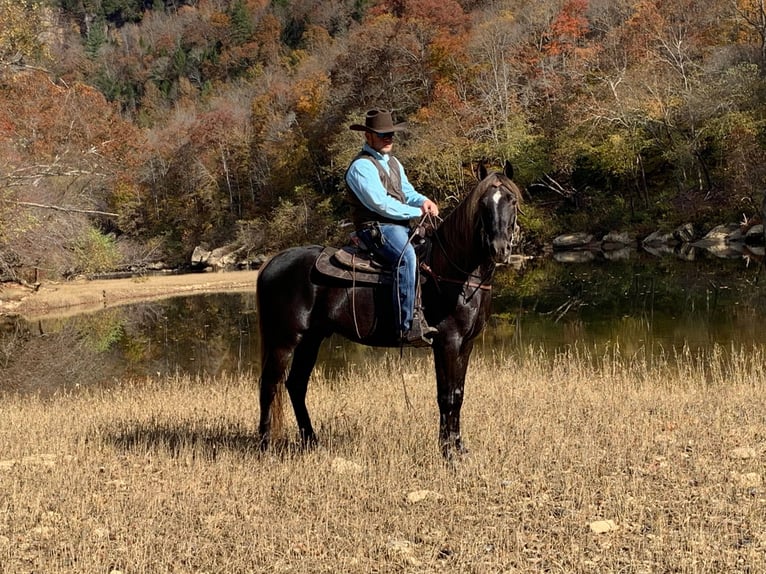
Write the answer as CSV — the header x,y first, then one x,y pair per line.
x,y
326,265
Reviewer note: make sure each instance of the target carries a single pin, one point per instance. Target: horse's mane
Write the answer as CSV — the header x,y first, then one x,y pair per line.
x,y
461,222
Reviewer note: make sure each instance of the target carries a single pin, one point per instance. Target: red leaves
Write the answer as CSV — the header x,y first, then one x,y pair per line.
x,y
569,28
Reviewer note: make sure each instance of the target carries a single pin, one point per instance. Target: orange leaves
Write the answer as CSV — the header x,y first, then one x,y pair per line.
x,y
74,127
445,15
439,14
312,94
569,28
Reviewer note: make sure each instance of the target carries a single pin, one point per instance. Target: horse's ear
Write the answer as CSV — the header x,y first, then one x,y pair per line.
x,y
508,169
481,170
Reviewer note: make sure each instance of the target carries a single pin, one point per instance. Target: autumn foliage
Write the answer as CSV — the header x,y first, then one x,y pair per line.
x,y
164,125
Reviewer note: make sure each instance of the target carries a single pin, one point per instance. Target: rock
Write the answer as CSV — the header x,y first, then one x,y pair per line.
x,y
659,238
220,258
603,526
726,250
719,235
405,550
417,496
684,233
747,479
736,236
572,240
200,256
156,266
256,262
743,453
342,466
754,235
224,257
616,240
573,256
400,546
622,254
658,249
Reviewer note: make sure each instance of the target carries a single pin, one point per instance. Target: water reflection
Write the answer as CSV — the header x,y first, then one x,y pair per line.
x,y
645,306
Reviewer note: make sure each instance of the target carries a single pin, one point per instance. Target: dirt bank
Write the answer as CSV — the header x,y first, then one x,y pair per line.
x,y
81,296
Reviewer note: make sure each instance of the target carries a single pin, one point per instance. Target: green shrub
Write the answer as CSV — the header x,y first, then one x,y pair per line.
x,y
95,252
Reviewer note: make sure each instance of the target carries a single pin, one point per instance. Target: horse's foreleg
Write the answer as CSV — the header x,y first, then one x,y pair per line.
x,y
304,359
451,362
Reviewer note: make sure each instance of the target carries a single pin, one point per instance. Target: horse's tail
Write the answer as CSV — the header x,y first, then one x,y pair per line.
x,y
276,408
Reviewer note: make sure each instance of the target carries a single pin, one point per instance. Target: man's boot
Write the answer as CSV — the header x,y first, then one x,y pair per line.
x,y
421,334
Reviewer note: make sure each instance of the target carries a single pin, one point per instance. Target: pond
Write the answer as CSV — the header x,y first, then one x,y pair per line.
x,y
639,305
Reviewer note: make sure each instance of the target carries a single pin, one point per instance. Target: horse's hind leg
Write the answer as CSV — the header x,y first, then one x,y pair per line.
x,y
304,359
275,363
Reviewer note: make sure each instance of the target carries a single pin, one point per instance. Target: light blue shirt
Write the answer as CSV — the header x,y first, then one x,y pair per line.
x,y
364,180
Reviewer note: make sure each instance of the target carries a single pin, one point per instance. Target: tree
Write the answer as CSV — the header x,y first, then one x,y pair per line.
x,y
22,32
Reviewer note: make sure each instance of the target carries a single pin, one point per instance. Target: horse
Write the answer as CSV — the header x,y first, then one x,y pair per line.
x,y
298,308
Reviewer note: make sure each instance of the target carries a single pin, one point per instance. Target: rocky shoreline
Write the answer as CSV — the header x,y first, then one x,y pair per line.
x,y
725,241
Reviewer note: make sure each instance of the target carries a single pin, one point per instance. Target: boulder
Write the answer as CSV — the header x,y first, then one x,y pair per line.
x,y
616,240
726,250
622,254
200,256
658,239
681,234
577,240
719,235
225,257
682,251
684,233
754,235
220,258
583,256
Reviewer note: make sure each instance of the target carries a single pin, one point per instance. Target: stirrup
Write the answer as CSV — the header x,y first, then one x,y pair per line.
x,y
414,339
421,334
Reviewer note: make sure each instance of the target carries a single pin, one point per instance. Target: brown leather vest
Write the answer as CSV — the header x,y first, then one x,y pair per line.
x,y
391,180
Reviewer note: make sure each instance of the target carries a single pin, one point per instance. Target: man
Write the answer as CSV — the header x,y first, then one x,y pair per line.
x,y
383,202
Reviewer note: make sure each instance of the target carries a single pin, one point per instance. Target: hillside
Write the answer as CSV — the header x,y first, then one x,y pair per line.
x,y
133,131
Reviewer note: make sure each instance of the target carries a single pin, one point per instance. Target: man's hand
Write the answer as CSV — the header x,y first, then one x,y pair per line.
x,y
429,208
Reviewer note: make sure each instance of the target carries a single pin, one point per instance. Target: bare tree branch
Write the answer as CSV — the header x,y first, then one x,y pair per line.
x,y
59,208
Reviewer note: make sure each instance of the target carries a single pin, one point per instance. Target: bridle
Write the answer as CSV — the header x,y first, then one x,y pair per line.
x,y
471,282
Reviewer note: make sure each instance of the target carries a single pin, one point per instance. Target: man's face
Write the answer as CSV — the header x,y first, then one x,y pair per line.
x,y
381,143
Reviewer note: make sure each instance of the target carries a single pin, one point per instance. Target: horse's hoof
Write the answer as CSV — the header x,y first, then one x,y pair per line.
x,y
309,442
456,454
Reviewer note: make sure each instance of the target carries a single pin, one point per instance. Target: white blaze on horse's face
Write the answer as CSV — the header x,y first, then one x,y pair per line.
x,y
499,221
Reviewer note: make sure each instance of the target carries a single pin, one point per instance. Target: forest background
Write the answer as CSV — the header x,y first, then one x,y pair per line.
x,y
132,131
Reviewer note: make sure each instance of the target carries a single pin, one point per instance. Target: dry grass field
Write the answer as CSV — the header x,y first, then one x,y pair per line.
x,y
578,464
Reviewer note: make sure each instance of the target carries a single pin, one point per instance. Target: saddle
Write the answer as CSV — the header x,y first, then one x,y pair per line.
x,y
354,264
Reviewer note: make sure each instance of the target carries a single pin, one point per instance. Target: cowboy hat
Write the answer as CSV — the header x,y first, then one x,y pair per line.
x,y
380,122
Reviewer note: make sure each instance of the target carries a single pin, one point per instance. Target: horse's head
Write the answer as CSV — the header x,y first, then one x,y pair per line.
x,y
498,209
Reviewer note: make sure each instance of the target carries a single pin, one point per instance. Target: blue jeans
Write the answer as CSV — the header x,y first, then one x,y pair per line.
x,y
394,248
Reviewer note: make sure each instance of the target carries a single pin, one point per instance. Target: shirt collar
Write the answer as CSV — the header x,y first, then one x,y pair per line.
x,y
374,153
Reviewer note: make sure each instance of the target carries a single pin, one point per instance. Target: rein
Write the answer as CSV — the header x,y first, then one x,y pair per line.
x,y
468,283
482,283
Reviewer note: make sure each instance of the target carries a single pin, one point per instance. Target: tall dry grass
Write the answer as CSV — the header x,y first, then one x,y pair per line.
x,y
579,463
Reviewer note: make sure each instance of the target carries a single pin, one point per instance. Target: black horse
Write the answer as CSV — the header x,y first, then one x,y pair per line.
x,y
298,308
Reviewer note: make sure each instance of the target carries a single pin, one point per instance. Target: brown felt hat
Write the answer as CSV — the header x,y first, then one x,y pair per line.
x,y
380,122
